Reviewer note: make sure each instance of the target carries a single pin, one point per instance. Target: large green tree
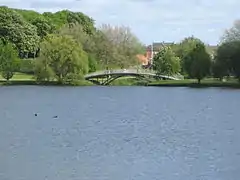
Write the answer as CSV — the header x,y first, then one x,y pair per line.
x,y
9,62
197,62
15,29
182,50
66,17
228,60
91,43
222,65
44,27
166,62
62,56
228,53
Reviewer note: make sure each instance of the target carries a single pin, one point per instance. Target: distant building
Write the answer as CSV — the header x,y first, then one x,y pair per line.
x,y
155,47
142,59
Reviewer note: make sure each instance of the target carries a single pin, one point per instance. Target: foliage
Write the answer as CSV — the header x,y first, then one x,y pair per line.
x,y
232,34
63,57
27,66
65,17
235,60
15,29
44,27
9,62
92,63
166,62
82,38
228,59
182,50
42,71
28,15
197,62
123,44
228,53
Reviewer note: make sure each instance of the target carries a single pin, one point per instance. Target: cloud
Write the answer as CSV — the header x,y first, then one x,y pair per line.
x,y
151,20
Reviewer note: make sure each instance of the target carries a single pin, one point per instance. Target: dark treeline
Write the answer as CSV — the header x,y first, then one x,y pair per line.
x,y
62,45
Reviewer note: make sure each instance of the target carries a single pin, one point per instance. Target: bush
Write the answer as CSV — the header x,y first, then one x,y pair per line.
x,y
27,66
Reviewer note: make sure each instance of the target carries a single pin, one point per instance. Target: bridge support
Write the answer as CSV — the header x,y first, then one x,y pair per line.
x,y
109,79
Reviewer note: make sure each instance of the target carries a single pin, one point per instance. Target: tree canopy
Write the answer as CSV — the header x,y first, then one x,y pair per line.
x,y
9,62
25,28
166,62
227,60
62,58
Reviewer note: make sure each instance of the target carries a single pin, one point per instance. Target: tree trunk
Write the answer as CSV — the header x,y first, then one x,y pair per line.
x,y
60,79
199,81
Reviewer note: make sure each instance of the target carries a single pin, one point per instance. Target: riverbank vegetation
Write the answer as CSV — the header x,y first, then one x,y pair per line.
x,y
60,48
193,59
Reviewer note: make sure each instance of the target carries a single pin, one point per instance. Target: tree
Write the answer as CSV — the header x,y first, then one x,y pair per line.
x,y
82,38
222,65
124,43
64,57
166,62
44,27
26,28
183,48
66,17
228,53
89,43
9,62
20,33
43,71
92,63
235,59
232,34
197,62
218,69
228,58
105,51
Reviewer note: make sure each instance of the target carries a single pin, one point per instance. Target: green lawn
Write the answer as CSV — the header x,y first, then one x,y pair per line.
x,y
20,77
26,79
209,82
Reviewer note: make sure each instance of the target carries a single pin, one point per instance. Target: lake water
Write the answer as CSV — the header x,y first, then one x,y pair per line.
x,y
119,133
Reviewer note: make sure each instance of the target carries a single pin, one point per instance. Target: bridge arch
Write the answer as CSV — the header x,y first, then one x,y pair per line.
x,y
108,76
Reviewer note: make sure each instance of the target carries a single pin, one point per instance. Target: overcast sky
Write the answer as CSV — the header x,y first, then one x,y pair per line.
x,y
151,20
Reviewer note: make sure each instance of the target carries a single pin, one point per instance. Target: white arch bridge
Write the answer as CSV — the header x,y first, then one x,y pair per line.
x,y
108,76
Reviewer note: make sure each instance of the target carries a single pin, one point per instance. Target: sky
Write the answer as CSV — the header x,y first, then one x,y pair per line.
x,y
151,20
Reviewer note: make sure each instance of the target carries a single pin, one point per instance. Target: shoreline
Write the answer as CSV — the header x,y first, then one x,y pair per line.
x,y
196,85
189,84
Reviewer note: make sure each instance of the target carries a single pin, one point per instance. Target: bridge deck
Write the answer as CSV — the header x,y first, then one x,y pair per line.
x,y
128,72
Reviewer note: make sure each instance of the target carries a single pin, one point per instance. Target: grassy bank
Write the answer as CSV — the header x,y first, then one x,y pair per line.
x,y
26,79
193,83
